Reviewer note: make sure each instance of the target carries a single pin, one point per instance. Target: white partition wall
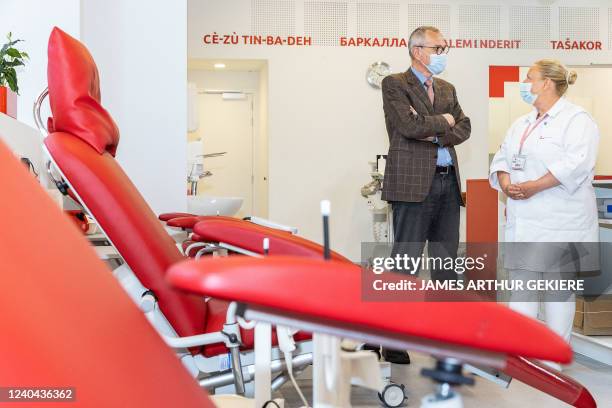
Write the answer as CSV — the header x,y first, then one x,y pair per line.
x,y
140,49
32,21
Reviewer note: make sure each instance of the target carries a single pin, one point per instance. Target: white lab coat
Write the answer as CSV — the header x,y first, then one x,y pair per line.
x,y
565,144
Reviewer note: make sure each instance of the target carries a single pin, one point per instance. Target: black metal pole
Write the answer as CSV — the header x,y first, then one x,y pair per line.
x,y
325,209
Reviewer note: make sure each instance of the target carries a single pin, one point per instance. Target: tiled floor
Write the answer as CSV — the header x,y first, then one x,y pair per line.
x,y
595,376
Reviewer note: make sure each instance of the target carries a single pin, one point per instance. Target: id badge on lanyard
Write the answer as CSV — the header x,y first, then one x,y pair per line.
x,y
518,159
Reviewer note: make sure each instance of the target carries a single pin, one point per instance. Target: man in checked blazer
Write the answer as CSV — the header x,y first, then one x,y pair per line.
x,y
424,123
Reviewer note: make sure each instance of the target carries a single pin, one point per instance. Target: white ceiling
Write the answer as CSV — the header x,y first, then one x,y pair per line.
x,y
230,64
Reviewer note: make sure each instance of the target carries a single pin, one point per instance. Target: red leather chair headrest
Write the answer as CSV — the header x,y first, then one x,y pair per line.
x,y
74,94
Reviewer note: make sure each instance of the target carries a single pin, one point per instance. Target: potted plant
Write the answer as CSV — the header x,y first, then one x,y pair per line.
x,y
10,58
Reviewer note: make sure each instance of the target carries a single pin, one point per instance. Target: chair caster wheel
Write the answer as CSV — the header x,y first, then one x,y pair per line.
x,y
393,395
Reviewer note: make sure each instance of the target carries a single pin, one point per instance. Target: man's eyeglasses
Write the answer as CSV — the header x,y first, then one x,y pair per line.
x,y
438,49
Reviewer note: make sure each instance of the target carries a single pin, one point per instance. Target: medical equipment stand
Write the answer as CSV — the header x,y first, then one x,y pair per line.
x,y
393,394
380,210
446,373
335,370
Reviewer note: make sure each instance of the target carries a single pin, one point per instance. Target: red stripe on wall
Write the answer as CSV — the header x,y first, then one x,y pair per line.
x,y
499,74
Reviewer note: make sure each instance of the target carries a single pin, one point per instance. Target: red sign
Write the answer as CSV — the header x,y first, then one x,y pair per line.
x,y
305,41
235,39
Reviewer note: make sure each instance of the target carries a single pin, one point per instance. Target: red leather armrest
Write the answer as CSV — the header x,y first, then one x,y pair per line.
x,y
190,221
550,381
250,236
183,222
165,217
330,291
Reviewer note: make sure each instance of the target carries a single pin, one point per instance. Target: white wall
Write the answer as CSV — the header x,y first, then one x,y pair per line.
x,y
32,21
224,80
261,152
593,91
325,123
140,49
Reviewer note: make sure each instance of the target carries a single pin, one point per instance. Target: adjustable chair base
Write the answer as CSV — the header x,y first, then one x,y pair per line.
x,y
223,383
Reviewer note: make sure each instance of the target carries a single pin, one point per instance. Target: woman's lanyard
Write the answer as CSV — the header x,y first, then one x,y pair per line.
x,y
518,160
530,130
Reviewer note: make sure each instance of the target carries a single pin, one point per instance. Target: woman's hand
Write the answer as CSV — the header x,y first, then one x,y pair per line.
x,y
509,189
514,192
528,189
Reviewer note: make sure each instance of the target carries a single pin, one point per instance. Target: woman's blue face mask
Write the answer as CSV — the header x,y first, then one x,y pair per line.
x,y
525,90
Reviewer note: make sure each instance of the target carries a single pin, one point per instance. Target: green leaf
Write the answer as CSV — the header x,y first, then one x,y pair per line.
x,y
15,63
11,57
13,52
8,45
11,79
9,73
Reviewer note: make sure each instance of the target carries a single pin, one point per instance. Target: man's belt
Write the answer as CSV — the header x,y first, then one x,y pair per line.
x,y
445,169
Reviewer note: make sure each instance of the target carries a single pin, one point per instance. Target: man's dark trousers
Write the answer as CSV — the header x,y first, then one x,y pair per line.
x,y
435,219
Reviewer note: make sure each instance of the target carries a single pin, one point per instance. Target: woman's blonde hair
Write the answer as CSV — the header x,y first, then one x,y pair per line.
x,y
558,73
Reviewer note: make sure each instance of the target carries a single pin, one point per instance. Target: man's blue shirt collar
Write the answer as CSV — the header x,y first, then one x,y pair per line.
x,y
419,75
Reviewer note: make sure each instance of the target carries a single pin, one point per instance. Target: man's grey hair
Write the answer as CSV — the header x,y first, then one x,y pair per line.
x,y
418,37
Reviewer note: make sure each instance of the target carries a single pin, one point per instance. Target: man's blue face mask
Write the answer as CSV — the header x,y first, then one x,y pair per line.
x,y
437,63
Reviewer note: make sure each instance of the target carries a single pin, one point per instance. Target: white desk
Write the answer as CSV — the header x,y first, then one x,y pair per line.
x,y
599,348
24,141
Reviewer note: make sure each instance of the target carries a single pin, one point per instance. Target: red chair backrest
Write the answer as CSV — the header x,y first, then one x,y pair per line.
x,y
82,144
66,321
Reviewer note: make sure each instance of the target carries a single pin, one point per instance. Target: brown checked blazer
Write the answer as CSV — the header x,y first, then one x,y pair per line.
x,y
410,117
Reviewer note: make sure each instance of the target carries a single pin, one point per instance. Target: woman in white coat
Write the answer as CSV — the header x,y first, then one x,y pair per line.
x,y
545,167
